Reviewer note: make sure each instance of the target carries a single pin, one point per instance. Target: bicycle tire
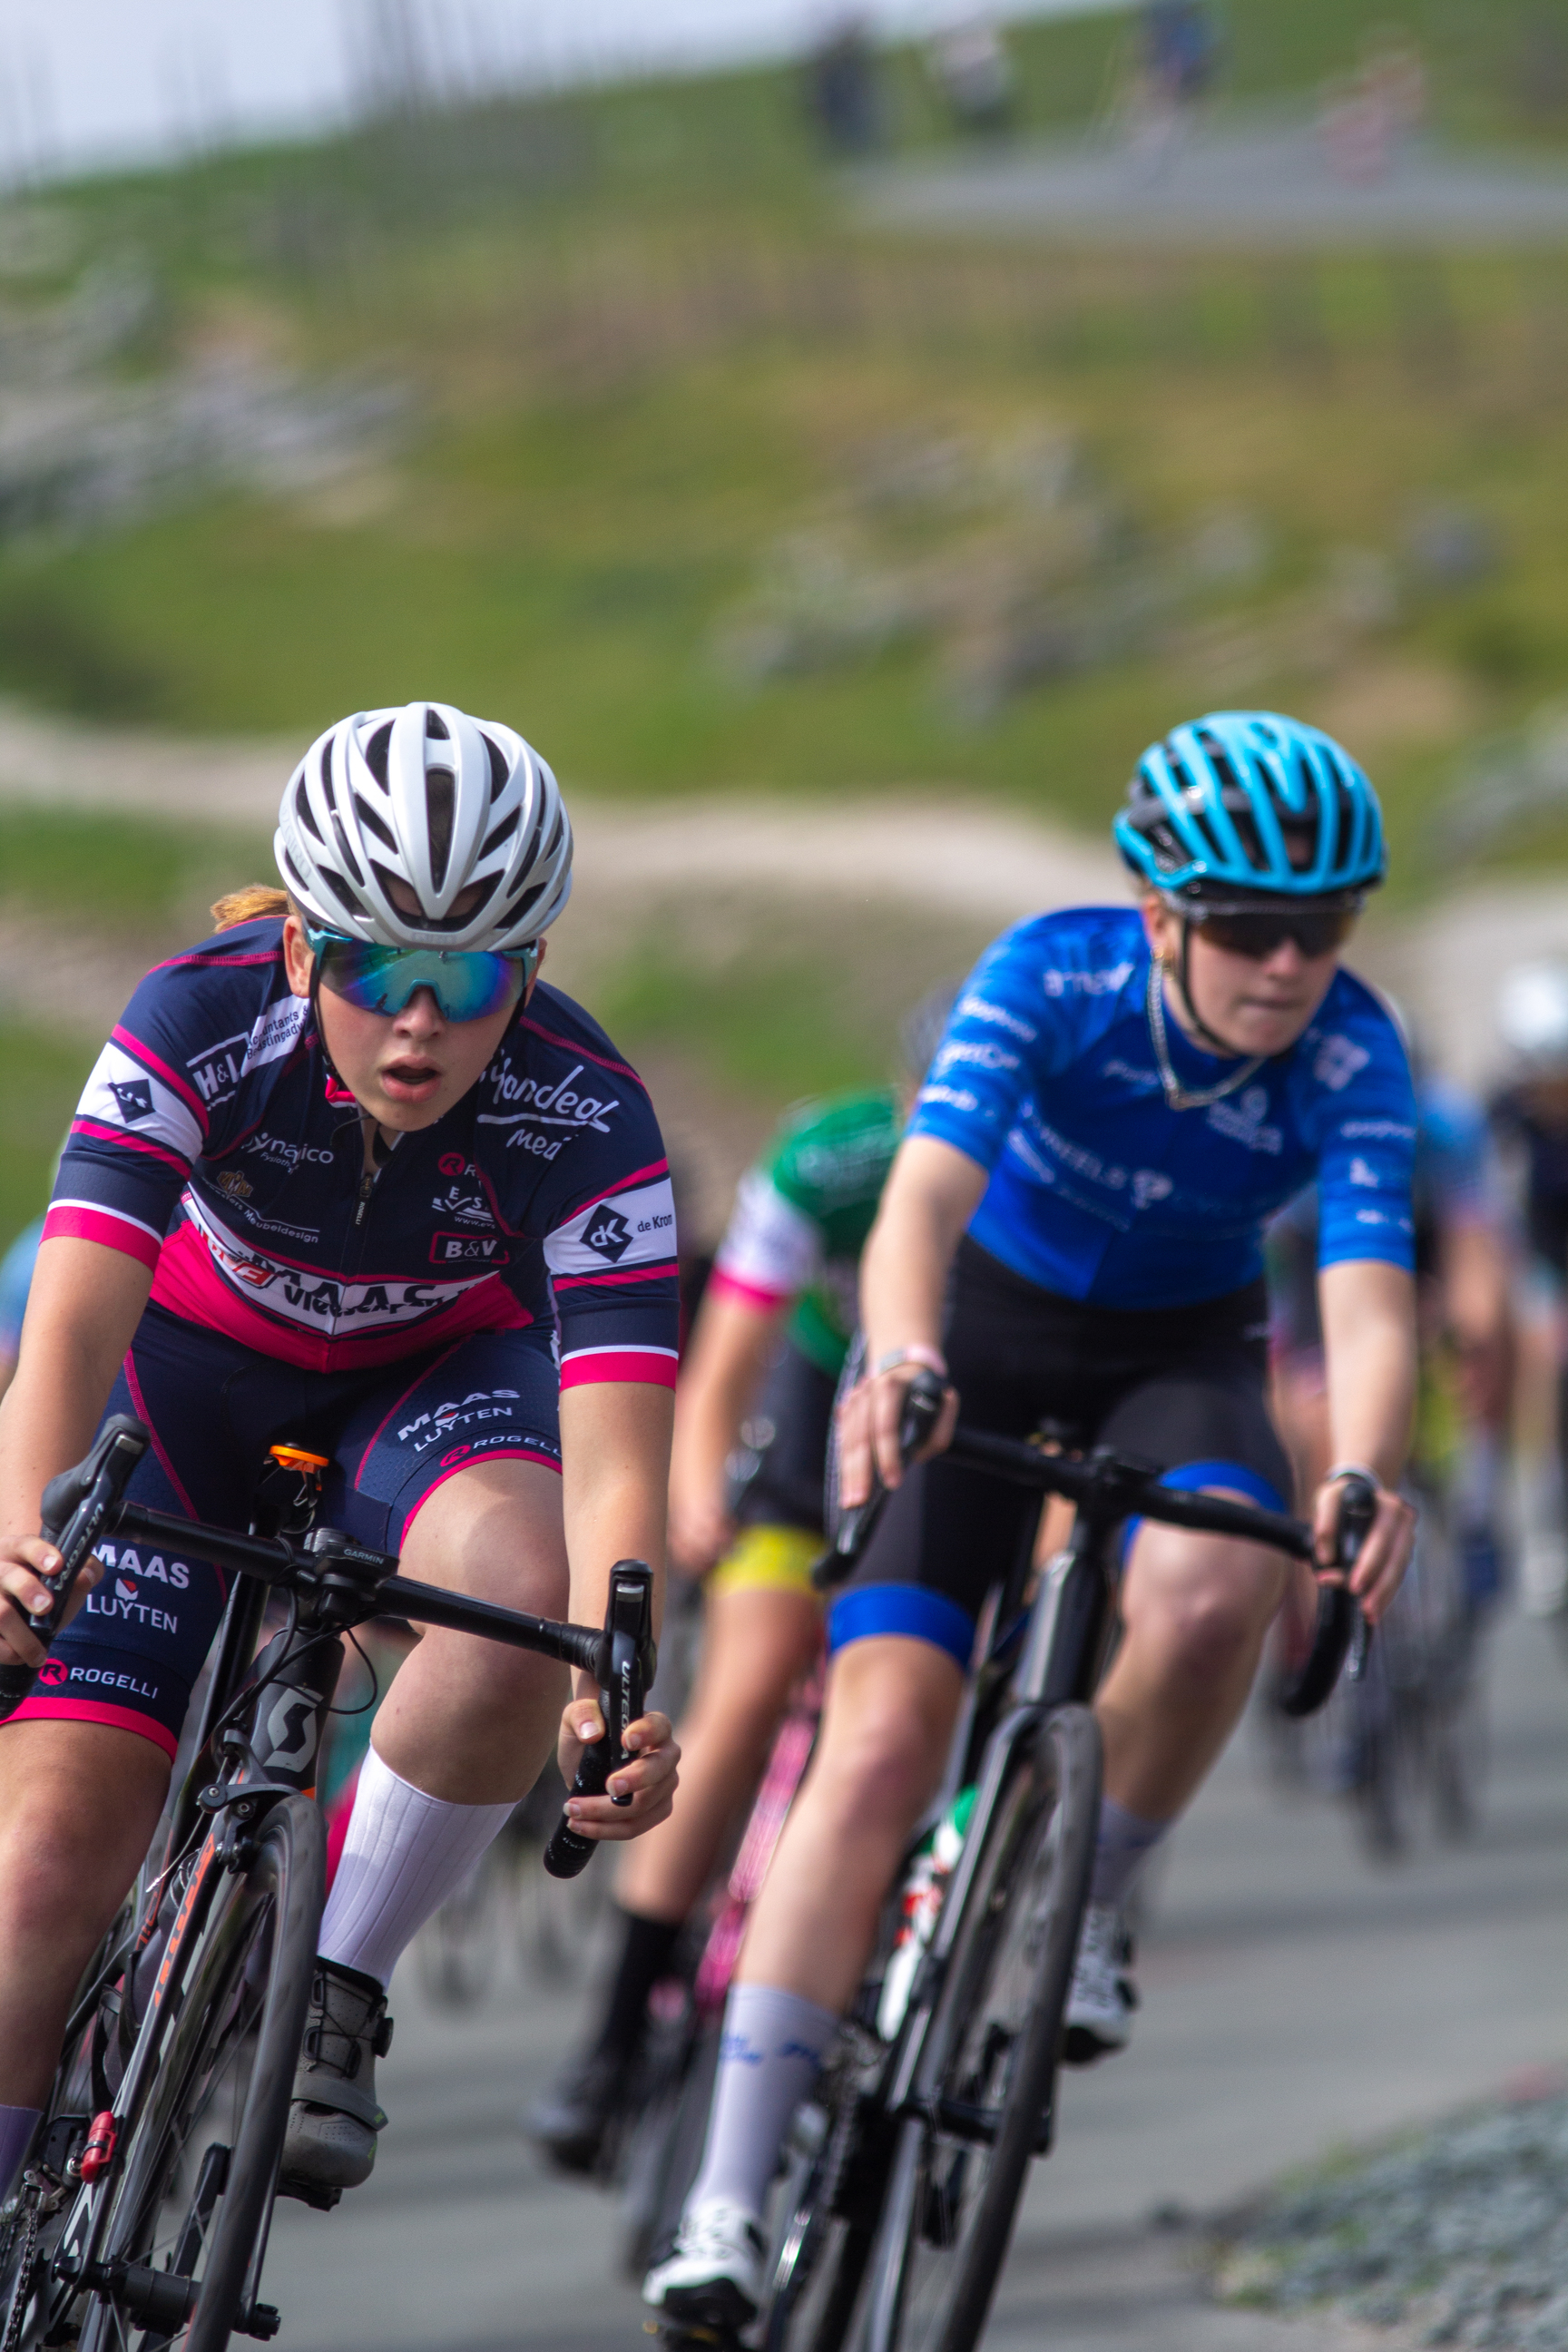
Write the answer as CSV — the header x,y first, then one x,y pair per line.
x,y
992,2051
660,2155
229,2061
827,2214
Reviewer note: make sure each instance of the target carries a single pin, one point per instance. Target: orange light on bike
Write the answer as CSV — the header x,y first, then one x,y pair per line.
x,y
295,1457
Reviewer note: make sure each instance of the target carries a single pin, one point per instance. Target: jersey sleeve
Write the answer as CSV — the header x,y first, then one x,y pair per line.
x,y
1366,1151
138,1128
991,1051
771,1248
608,1235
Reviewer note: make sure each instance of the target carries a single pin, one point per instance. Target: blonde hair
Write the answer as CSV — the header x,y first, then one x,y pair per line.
x,y
254,902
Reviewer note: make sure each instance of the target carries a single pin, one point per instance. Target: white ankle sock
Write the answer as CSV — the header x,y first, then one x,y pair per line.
x,y
403,1854
17,2127
1124,1844
771,2047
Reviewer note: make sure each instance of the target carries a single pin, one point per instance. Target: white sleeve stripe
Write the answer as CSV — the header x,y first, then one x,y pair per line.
x,y
621,1347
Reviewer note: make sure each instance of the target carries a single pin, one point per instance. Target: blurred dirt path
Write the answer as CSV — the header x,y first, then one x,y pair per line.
x,y
953,856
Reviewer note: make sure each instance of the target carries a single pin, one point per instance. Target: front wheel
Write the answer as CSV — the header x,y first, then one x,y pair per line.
x,y
196,2170
986,2084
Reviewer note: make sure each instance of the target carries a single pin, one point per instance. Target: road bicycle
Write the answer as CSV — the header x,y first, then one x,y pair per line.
x,y
144,2207
904,2171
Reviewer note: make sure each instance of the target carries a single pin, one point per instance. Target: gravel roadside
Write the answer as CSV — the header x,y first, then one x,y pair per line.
x,y
1454,2236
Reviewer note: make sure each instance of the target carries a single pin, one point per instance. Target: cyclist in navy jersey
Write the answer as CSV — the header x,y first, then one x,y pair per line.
x,y
1072,1229
347,1174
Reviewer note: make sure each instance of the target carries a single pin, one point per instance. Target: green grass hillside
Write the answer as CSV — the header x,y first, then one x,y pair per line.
x,y
707,489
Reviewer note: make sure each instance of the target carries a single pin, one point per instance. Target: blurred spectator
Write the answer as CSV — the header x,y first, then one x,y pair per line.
x,y
1181,50
971,67
843,90
1365,119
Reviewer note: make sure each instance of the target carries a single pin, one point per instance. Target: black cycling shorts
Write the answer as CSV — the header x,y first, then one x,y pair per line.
x,y
392,1433
797,1407
1182,1386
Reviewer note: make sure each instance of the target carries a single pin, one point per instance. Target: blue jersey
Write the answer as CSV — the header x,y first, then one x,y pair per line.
x,y
213,1144
16,1281
1098,1190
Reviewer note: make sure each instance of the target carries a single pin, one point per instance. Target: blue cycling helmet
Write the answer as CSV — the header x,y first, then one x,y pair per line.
x,y
1245,804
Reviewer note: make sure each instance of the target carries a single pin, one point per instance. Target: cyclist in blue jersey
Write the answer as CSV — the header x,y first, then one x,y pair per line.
x,y
348,1174
1073,1228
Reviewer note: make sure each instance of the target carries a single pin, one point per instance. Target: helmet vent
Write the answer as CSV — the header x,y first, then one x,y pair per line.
x,y
377,752
503,832
303,811
500,772
440,800
374,822
341,834
339,890
435,727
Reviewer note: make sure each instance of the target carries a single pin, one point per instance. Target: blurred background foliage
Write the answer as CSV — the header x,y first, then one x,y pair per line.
x,y
606,413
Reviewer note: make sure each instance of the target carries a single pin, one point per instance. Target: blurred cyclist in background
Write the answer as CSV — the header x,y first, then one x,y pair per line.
x,y
753,1413
1530,1117
16,1281
1462,1268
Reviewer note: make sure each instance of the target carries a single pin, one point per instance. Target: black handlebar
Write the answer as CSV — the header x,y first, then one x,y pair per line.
x,y
625,1669
82,1506
1114,1486
1342,1625
75,1513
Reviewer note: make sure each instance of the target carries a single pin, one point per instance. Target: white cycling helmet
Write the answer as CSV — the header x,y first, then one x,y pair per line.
x,y
1532,1015
426,797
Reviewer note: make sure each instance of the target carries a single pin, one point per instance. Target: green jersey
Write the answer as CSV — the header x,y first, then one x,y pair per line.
x,y
803,1213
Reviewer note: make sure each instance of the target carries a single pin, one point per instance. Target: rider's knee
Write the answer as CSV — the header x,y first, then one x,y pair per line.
x,y
1211,1626
880,1761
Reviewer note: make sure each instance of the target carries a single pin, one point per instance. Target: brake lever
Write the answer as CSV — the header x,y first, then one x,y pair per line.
x,y
1343,1630
627,1659
923,1401
74,1510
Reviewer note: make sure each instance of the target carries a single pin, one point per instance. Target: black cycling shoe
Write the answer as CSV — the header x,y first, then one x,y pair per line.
x,y
572,2120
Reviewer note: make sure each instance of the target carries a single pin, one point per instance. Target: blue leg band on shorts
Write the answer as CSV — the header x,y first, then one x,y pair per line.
x,y
1191,1477
911,1608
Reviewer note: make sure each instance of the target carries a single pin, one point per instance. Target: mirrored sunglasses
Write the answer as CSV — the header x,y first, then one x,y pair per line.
x,y
466,983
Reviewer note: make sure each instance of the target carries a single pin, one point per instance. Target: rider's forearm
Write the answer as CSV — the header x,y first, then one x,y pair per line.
x,y
614,1455
1369,1347
719,1383
930,1195
82,1314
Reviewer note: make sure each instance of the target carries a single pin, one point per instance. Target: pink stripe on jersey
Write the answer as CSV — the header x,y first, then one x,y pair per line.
x,y
170,1473
491,1454
189,1285
142,1053
584,1053
621,1184
96,1710
749,1294
660,1273
587,1367
78,1221
124,1143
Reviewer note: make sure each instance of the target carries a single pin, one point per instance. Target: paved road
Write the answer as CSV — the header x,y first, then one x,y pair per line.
x,y
1254,180
1295,2000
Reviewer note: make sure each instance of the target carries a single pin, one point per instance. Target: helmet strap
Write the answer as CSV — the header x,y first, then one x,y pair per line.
x,y
1184,983
332,1070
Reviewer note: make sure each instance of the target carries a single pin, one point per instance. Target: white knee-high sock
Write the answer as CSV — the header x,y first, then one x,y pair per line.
x,y
772,2048
17,2127
403,1854
1124,1844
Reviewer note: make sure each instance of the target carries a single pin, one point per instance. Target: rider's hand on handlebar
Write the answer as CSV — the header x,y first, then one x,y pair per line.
x,y
22,1562
1385,1549
649,1778
868,1420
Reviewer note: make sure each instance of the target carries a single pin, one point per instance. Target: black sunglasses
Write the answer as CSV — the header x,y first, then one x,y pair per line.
x,y
1256,932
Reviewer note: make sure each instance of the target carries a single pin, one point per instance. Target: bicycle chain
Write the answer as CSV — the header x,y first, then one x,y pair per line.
x,y
40,2194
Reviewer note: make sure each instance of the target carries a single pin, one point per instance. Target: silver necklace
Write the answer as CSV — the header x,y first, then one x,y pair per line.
x,y
1177,1096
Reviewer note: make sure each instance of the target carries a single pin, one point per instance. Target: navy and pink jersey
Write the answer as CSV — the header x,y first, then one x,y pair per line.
x,y
213,1144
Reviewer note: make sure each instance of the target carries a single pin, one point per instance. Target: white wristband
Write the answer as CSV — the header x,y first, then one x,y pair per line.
x,y
1353,1470
930,1358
